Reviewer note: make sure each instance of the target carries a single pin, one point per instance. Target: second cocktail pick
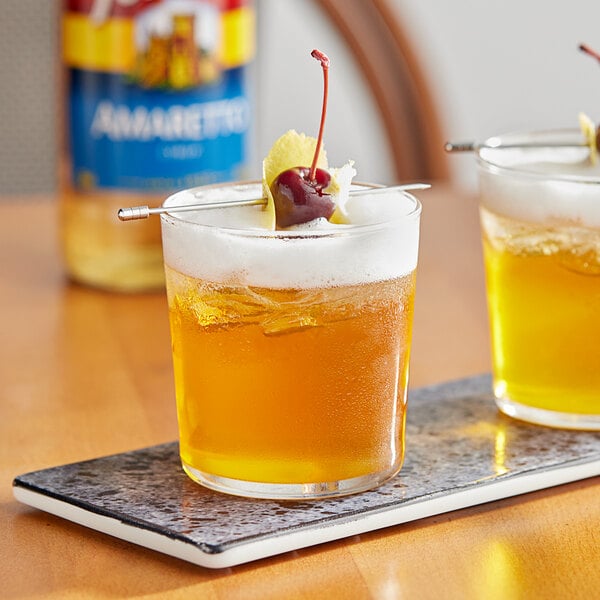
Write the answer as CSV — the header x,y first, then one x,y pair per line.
x,y
496,143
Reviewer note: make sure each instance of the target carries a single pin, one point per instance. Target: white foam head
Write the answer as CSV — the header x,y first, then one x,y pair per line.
x,y
231,246
542,185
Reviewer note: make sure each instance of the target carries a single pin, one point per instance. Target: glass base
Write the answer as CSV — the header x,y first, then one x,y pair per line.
x,y
549,418
290,491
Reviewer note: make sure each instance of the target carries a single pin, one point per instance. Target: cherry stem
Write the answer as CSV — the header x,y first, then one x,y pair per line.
x,y
324,60
588,50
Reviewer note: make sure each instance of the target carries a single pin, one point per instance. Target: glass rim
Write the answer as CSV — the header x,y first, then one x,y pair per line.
x,y
563,135
285,234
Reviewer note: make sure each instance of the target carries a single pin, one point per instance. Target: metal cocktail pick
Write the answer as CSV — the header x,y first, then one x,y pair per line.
x,y
495,143
143,212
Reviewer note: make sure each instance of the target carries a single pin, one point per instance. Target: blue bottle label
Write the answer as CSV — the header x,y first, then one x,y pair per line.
x,y
158,94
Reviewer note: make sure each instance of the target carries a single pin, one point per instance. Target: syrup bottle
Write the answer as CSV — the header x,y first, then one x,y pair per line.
x,y
157,100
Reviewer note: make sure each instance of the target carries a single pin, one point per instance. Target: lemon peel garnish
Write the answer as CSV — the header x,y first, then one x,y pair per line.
x,y
270,218
339,188
589,133
291,150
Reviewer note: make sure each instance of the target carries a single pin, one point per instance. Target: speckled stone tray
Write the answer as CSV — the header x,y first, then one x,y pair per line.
x,y
460,452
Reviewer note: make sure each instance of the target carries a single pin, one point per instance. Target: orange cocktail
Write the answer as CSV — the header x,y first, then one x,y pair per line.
x,y
540,218
291,351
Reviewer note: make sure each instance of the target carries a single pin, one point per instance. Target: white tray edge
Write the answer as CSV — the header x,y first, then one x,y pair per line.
x,y
270,545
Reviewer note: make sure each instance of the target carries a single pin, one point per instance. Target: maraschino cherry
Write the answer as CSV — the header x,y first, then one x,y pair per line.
x,y
298,193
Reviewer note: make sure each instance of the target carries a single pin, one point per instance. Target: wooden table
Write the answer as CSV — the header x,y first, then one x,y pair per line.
x,y
85,373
